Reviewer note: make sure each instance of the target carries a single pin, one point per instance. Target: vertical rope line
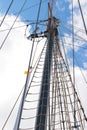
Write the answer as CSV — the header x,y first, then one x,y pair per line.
x,y
12,25
60,91
75,119
35,31
58,87
64,92
49,84
6,12
12,109
82,16
28,76
73,62
53,76
67,119
54,108
63,41
55,84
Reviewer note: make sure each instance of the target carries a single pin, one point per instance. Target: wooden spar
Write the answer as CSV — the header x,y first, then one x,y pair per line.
x,y
50,10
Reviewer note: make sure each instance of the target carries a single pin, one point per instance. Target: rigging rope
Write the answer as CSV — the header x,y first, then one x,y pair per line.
x,y
12,28
81,71
63,40
12,25
35,31
20,95
17,101
17,123
85,118
75,120
31,6
24,25
67,43
75,35
63,43
6,13
82,17
73,26
63,89
12,109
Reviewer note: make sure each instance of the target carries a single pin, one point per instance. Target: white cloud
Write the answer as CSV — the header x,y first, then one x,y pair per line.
x,y
75,3
81,85
14,60
77,15
14,57
79,27
60,6
78,23
85,65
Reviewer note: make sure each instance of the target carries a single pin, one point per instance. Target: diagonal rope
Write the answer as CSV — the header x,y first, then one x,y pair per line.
x,y
18,119
12,25
82,16
6,13
75,120
12,109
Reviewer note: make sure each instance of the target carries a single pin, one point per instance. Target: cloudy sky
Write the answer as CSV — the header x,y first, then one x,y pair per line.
x,y
14,55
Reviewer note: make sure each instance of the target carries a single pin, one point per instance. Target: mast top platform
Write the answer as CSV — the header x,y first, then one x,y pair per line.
x,y
51,25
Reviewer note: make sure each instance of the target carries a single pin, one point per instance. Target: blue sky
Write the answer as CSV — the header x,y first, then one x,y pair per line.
x,y
30,10
17,47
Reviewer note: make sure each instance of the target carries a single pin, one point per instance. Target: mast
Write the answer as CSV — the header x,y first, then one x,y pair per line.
x,y
49,100
57,95
45,86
